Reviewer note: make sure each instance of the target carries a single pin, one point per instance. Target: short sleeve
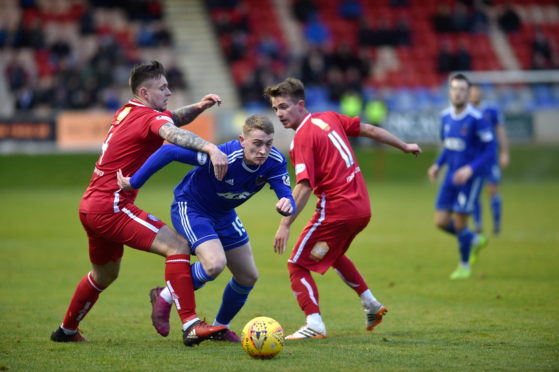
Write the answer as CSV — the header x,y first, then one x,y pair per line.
x,y
303,163
158,120
352,126
484,130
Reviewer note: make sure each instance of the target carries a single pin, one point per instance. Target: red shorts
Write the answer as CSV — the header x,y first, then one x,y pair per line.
x,y
322,242
109,232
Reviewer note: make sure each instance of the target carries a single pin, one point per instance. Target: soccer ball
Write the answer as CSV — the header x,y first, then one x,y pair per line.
x,y
262,338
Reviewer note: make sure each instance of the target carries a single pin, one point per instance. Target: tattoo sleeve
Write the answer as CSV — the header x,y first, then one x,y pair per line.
x,y
181,137
186,114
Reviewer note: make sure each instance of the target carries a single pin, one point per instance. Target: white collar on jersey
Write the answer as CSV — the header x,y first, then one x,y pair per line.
x,y
303,122
247,167
135,103
468,110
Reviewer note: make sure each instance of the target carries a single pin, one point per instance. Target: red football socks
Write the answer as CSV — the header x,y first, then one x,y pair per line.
x,y
350,275
86,294
179,281
304,288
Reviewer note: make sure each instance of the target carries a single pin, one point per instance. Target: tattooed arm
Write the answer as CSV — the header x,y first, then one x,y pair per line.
x,y
187,114
189,140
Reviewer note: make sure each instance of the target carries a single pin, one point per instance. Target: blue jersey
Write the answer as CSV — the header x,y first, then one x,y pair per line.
x,y
468,139
203,191
494,116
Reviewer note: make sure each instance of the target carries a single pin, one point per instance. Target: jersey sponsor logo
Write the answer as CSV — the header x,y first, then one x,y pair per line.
x,y
260,180
464,130
321,124
234,195
152,217
286,180
486,136
319,250
299,168
456,144
125,111
230,181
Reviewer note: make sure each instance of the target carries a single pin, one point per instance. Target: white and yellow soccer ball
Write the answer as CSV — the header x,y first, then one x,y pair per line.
x,y
262,338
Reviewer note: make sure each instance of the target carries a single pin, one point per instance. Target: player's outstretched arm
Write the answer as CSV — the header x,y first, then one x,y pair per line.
x,y
189,140
301,194
186,114
382,135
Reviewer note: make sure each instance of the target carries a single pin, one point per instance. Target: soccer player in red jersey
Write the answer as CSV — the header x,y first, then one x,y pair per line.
x,y
112,220
325,164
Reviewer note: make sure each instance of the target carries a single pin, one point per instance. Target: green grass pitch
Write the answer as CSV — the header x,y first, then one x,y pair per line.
x,y
506,317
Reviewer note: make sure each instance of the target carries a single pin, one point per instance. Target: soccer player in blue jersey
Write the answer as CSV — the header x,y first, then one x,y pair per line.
x,y
203,211
468,150
493,177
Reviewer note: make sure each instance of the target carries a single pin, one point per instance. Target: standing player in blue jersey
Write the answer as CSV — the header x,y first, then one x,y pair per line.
x,y
203,211
468,150
493,177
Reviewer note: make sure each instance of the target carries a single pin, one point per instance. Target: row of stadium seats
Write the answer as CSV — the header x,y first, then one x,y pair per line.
x,y
69,54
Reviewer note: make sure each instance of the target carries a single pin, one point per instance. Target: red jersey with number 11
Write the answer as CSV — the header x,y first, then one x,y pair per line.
x,y
132,138
321,153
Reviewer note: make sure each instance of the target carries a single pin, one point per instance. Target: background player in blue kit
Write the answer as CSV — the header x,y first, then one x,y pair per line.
x,y
493,177
468,150
203,212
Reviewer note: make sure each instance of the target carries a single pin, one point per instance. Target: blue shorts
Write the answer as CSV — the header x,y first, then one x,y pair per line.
x,y
459,199
197,227
494,175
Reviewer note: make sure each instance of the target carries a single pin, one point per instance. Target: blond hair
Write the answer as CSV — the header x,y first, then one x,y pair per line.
x,y
258,122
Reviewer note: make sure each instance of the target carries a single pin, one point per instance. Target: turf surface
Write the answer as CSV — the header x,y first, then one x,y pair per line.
x,y
506,317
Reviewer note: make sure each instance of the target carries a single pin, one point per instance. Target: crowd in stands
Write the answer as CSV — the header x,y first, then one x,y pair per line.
x,y
73,54
345,46
76,54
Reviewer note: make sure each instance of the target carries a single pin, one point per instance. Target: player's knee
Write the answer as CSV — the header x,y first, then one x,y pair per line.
x,y
248,279
441,221
214,266
105,278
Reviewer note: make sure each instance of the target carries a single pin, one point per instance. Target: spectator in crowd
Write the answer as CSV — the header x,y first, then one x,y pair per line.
x,y
314,66
462,59
304,9
350,9
509,21
542,53
402,32
442,20
445,59
461,19
316,31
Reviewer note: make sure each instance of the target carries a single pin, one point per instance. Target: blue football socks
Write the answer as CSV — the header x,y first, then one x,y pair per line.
x,y
199,275
234,297
465,238
496,208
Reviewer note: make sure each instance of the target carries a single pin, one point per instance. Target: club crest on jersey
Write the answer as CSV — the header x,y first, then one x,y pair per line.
x,y
260,180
